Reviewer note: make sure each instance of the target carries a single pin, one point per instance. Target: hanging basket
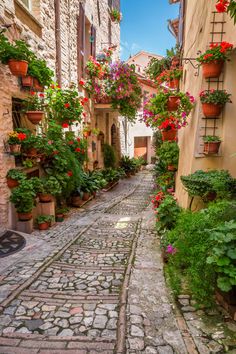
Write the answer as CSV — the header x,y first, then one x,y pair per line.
x,y
27,81
169,135
211,110
37,85
171,168
212,69
18,67
173,84
173,103
35,116
211,148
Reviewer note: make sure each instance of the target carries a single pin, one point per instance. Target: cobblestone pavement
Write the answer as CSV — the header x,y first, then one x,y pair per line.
x,y
80,288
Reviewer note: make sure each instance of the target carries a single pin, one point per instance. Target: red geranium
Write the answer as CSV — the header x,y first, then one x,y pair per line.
x,y
77,149
65,125
22,136
70,173
78,139
67,105
70,142
222,6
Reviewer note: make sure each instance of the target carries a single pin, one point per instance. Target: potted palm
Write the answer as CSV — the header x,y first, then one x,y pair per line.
x,y
44,221
212,61
211,144
16,55
23,197
14,177
213,102
15,140
35,107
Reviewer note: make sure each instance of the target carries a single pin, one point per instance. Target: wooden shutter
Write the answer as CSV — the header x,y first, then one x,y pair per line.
x,y
80,41
93,44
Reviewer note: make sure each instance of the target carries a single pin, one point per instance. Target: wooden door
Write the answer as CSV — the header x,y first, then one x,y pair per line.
x,y
140,147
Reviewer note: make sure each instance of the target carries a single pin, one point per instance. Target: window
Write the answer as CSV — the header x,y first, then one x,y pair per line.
x,y
27,3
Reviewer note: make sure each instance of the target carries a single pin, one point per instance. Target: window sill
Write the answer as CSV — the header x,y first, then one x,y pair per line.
x,y
26,17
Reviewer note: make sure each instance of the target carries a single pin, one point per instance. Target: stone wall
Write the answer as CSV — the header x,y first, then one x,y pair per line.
x,y
37,27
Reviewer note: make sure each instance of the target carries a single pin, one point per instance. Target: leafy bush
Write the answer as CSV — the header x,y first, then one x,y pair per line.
x,y
23,197
18,50
127,164
167,213
169,153
109,156
38,69
202,183
41,219
16,174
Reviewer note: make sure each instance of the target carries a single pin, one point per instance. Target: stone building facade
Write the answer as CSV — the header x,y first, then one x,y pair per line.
x,y
200,25
65,33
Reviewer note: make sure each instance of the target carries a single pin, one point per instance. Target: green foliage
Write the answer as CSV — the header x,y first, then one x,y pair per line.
x,y
167,213
41,219
38,69
169,153
202,183
157,140
16,174
165,180
232,10
109,156
223,254
211,138
23,197
195,240
157,66
127,164
112,175
18,50
49,185
215,97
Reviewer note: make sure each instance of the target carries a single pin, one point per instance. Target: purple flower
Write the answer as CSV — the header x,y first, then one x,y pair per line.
x,y
170,249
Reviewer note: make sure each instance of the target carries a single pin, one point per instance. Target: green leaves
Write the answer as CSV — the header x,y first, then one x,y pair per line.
x,y
232,10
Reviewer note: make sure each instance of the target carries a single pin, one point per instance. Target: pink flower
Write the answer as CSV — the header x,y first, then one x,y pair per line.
x,y
170,249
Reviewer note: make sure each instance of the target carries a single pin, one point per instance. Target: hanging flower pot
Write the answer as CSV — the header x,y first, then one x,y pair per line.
x,y
173,84
18,67
173,103
37,85
171,168
25,216
212,69
35,116
45,198
87,133
12,183
211,147
86,196
15,148
211,110
175,62
27,81
169,135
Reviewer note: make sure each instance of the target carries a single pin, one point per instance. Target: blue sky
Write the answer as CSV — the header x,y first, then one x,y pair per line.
x,y
144,26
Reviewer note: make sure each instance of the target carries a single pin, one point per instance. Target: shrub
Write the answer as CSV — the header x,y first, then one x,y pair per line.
x,y
23,197
169,153
167,213
109,156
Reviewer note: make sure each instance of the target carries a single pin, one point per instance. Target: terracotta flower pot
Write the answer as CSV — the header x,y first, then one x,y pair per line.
x,y
86,196
27,81
173,103
173,84
212,147
59,217
76,201
212,69
45,198
15,148
169,135
25,216
175,62
211,110
37,85
18,67
12,183
43,226
32,152
35,116
86,134
171,168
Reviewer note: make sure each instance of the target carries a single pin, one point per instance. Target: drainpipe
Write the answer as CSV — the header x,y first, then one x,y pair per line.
x,y
58,40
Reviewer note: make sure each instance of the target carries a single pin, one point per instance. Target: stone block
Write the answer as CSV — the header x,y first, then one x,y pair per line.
x,y
25,226
47,209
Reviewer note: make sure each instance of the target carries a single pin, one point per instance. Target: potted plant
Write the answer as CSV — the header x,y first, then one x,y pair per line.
x,y
31,145
60,214
76,198
169,129
23,197
115,15
48,188
169,155
14,177
16,55
128,165
40,73
213,59
34,107
211,144
213,102
87,131
174,77
15,140
44,221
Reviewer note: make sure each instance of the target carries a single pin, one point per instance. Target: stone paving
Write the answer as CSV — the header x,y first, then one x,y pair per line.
x,y
81,288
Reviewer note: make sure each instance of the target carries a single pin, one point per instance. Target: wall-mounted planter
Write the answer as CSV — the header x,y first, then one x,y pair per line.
x,y
173,103
37,85
18,67
27,81
212,69
35,116
173,84
169,135
211,110
211,148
